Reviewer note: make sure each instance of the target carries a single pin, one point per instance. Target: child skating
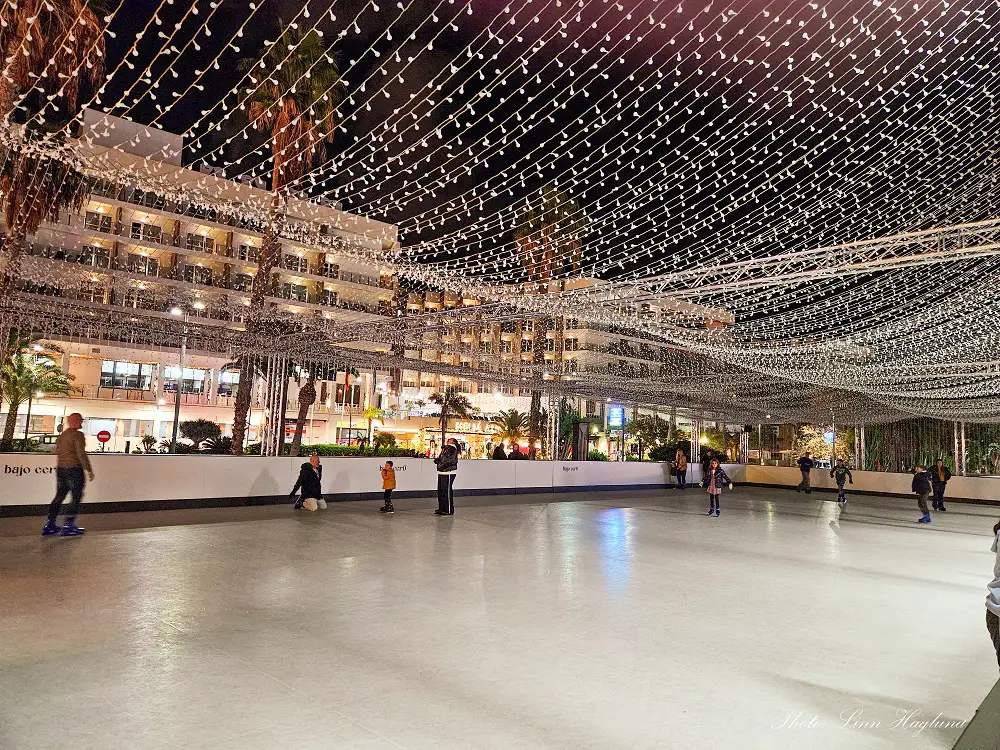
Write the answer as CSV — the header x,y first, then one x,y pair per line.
x,y
842,474
388,485
921,485
714,480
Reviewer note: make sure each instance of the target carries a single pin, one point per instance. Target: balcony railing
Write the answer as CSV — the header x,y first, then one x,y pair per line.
x,y
138,197
227,400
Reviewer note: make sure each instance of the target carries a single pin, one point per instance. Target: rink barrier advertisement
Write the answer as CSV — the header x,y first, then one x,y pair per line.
x,y
160,482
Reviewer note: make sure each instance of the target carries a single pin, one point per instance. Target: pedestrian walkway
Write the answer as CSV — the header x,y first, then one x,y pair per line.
x,y
573,621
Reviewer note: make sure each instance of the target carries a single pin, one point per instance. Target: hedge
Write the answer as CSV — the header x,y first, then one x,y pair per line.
x,y
342,451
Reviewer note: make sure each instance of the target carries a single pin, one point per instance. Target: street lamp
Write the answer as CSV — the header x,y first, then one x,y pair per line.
x,y
27,420
180,378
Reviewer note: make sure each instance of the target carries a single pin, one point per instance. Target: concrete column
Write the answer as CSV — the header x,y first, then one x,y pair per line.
x,y
962,446
955,431
206,386
159,381
213,396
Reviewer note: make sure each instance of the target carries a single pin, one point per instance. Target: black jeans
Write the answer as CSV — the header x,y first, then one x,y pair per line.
x,y
446,493
939,496
681,479
387,494
69,481
993,625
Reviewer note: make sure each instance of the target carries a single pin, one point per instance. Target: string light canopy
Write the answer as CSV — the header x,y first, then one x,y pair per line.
x,y
795,201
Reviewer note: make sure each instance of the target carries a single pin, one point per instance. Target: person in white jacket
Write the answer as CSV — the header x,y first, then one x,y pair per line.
x,y
993,597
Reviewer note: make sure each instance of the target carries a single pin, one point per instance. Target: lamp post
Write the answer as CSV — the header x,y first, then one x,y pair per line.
x,y
27,421
180,378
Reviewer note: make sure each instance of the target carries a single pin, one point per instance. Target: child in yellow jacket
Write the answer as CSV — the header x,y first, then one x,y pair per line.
x,y
388,485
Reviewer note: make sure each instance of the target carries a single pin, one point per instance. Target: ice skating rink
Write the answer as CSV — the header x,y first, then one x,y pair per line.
x,y
602,620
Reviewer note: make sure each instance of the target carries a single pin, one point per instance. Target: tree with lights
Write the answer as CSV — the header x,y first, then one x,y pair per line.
x,y
453,404
24,379
814,438
548,236
298,90
45,45
512,425
372,414
307,397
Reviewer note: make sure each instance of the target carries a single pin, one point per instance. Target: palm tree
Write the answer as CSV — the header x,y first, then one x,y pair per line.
x,y
47,44
21,342
452,403
548,237
371,413
512,423
307,397
23,379
296,102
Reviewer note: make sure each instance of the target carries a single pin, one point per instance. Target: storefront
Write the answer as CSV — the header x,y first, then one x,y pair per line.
x,y
475,437
406,437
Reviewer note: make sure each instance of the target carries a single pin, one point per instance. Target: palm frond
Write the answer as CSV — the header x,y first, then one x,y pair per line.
x,y
295,95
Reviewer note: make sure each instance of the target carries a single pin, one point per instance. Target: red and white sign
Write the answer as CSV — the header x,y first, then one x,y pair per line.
x,y
103,436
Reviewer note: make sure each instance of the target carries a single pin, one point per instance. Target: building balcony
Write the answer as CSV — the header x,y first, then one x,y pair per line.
x,y
128,198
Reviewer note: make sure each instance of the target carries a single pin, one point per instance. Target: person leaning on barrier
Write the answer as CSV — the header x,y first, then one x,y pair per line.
x,y
680,465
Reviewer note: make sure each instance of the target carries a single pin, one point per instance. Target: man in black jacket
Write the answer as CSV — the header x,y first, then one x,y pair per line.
x,y
805,466
310,481
921,486
939,478
498,453
447,468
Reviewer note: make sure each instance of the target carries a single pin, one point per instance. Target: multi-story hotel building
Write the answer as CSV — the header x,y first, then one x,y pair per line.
x,y
142,252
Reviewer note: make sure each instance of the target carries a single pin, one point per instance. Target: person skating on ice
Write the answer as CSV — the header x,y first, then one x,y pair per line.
x,y
71,463
940,475
388,485
714,480
805,466
842,474
921,485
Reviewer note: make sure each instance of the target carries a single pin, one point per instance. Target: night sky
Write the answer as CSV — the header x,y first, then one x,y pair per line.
x,y
720,114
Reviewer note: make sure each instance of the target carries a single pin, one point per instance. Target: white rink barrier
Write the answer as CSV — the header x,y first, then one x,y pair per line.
x,y
29,480
874,482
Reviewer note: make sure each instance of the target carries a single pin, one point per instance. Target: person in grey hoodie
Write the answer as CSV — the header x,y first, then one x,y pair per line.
x,y
447,469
